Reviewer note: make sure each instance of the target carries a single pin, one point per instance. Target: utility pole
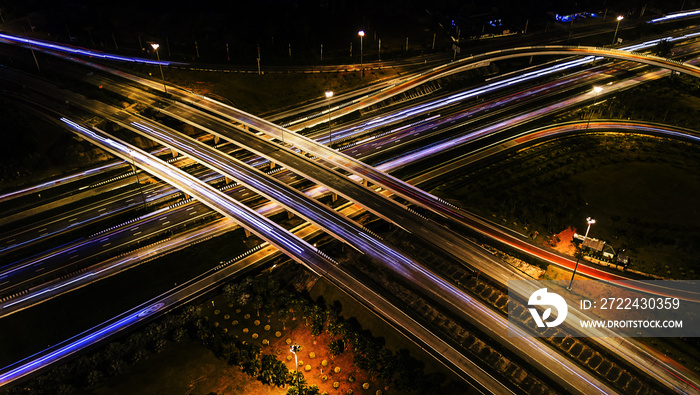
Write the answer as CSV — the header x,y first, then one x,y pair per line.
x,y
34,56
361,33
259,59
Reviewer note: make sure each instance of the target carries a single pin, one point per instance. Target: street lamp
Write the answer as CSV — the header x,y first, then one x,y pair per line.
x,y
590,221
294,349
361,33
155,48
619,18
596,90
329,94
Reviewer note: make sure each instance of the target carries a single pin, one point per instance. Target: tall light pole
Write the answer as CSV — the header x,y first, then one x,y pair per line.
x,y
619,18
155,48
361,33
329,94
596,90
294,349
590,221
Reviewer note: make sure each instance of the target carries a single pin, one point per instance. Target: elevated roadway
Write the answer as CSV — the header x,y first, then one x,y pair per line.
x,y
295,143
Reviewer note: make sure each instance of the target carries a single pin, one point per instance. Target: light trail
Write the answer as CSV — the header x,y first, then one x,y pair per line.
x,y
80,51
489,88
675,15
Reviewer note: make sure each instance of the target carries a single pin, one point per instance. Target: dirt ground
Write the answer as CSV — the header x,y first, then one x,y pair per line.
x,y
562,241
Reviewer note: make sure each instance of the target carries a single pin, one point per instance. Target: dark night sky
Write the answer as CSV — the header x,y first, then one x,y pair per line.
x,y
276,24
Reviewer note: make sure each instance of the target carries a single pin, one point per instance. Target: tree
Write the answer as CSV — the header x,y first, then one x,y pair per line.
x,y
334,347
283,315
116,367
94,377
663,48
138,356
258,303
296,380
179,334
273,371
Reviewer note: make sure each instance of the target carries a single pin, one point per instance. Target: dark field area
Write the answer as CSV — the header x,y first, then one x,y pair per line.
x,y
641,190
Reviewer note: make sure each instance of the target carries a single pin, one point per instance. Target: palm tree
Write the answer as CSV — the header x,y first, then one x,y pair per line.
x,y
266,369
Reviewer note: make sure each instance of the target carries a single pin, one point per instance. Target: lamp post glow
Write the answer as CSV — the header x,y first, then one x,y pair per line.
x,y
596,90
294,349
155,48
361,33
619,18
329,94
590,221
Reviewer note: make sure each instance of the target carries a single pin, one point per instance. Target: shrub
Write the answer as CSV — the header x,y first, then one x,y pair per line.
x,y
312,355
337,369
324,363
307,368
336,384
365,386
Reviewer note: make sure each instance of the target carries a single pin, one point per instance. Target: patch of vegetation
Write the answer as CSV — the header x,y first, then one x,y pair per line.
x,y
399,369
267,297
674,100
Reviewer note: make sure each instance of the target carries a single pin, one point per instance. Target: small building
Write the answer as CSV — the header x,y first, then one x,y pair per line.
x,y
593,244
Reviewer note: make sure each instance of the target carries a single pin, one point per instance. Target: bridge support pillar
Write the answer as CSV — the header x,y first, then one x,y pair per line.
x,y
216,140
334,197
174,153
247,232
227,180
272,165
290,215
364,182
